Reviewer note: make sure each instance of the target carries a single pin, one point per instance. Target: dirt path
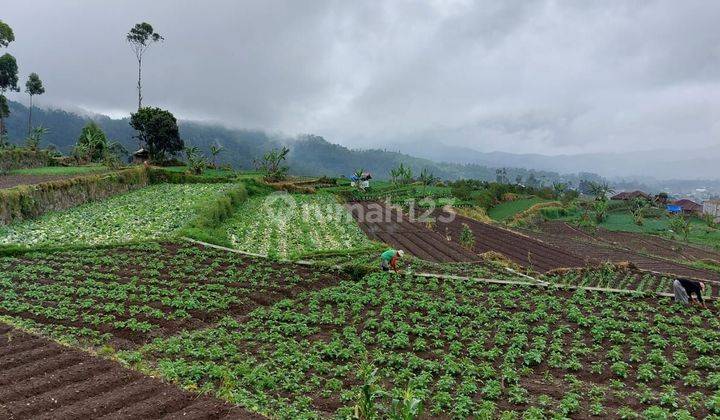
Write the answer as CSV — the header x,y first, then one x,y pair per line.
x,y
41,379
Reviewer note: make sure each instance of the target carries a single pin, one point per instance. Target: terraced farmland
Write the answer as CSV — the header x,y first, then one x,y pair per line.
x,y
41,379
466,349
609,277
648,244
597,251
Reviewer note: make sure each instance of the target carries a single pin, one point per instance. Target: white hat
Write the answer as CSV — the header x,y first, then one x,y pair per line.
x,y
401,253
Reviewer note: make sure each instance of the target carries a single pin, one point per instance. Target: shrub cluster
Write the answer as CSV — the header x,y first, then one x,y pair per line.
x,y
214,213
11,159
159,176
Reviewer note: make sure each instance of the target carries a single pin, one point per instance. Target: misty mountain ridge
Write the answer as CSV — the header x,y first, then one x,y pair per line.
x,y
313,155
309,155
692,164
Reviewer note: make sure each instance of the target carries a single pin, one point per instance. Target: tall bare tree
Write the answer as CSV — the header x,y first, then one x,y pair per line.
x,y
33,86
8,74
140,38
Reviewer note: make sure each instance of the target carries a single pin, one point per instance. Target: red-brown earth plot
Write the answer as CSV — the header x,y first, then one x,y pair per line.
x,y
523,250
397,230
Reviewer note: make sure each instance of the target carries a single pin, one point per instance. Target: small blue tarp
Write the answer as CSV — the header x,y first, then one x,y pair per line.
x,y
674,208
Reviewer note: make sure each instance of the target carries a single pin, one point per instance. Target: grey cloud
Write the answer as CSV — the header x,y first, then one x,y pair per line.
x,y
519,76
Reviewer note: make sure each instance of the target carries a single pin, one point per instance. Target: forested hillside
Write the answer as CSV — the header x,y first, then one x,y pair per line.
x,y
310,155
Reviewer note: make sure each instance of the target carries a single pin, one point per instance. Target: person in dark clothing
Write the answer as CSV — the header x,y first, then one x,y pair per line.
x,y
684,290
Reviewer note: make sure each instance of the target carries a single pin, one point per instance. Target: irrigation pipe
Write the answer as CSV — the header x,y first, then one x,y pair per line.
x,y
535,282
526,276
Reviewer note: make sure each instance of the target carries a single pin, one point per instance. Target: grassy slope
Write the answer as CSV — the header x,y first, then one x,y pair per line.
x,y
509,209
60,170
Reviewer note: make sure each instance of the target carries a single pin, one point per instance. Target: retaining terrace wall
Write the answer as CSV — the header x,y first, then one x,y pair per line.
x,y
29,201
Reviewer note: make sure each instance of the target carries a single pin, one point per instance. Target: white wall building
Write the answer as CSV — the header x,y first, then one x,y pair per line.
x,y
712,207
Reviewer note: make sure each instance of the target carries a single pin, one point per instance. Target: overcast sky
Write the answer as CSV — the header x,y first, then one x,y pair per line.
x,y
520,76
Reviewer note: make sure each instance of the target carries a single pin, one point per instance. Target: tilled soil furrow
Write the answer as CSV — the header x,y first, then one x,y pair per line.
x,y
523,250
112,400
69,394
401,241
208,409
50,380
50,364
14,347
11,337
521,247
434,245
399,231
71,384
157,405
28,356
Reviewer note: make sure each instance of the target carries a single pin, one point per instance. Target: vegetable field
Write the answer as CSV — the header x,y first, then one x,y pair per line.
x,y
128,295
287,225
464,348
152,212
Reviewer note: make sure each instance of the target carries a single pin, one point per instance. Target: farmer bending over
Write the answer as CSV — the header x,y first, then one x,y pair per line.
x,y
684,289
389,258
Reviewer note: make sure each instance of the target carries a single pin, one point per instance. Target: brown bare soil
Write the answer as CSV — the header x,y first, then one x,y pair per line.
x,y
597,250
398,231
523,250
647,244
41,379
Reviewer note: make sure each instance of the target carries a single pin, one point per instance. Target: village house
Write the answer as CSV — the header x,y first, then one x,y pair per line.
x,y
689,207
631,195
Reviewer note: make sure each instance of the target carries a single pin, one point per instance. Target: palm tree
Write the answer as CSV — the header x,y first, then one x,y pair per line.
x,y
215,150
601,190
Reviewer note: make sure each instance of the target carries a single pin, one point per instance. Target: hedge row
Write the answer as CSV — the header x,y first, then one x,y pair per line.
x,y
159,176
206,226
11,159
29,201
